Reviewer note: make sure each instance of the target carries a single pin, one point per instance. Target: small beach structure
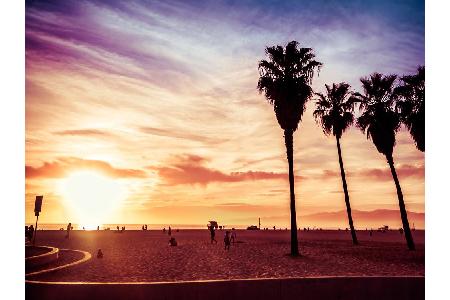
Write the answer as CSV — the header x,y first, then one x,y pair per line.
x,y
212,224
252,227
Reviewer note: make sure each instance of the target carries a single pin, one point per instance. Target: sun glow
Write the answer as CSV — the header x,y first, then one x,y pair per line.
x,y
91,197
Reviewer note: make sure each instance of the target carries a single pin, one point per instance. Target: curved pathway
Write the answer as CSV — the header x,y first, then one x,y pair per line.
x,y
86,256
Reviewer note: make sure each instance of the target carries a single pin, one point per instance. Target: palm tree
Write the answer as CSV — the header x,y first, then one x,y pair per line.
x,y
411,105
334,112
380,121
285,78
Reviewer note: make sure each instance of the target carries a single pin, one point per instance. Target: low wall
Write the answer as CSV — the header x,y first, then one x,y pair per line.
x,y
42,259
347,288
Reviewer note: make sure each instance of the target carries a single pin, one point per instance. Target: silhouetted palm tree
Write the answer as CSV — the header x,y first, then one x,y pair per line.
x,y
285,79
411,105
334,112
380,121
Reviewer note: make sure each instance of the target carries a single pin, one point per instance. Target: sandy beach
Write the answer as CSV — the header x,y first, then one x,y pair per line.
x,y
135,256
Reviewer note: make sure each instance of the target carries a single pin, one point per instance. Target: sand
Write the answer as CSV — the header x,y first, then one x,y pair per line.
x,y
145,255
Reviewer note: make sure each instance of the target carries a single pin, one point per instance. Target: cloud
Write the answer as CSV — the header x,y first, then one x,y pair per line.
x,y
403,171
190,169
83,132
63,166
180,135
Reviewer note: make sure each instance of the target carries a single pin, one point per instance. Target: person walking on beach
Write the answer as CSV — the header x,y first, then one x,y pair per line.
x,y
173,242
227,240
233,235
170,231
69,227
213,234
30,232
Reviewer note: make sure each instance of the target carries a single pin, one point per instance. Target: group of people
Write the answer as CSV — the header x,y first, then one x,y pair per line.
x,y
172,241
169,232
29,232
230,237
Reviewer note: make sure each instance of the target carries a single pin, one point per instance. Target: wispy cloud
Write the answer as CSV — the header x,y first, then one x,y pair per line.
x,y
378,174
83,132
180,134
63,166
190,169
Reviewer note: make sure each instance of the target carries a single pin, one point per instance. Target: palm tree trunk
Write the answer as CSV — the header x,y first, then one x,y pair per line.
x,y
347,198
289,141
401,203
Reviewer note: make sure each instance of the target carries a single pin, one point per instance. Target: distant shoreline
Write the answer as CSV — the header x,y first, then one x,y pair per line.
x,y
158,227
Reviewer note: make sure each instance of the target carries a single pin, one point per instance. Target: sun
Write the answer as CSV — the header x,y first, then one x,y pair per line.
x,y
91,197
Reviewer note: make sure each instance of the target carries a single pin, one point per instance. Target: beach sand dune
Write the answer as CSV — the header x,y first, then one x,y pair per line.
x,y
135,256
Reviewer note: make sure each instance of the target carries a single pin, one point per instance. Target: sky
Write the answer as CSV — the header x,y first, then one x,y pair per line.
x,y
159,98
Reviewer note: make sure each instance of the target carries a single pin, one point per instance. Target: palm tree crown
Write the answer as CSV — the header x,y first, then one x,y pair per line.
x,y
379,119
285,80
334,111
411,105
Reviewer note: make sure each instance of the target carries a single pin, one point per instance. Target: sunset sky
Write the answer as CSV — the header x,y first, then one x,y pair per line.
x,y
156,102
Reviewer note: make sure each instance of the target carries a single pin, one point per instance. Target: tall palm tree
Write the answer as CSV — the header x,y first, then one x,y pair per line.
x,y
411,105
334,112
285,78
380,121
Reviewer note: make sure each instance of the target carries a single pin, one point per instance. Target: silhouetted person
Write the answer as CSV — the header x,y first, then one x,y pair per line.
x,y
84,228
69,228
98,228
213,234
145,226
274,227
173,242
123,228
164,230
170,231
30,232
227,240
117,228
99,253
233,235
401,231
